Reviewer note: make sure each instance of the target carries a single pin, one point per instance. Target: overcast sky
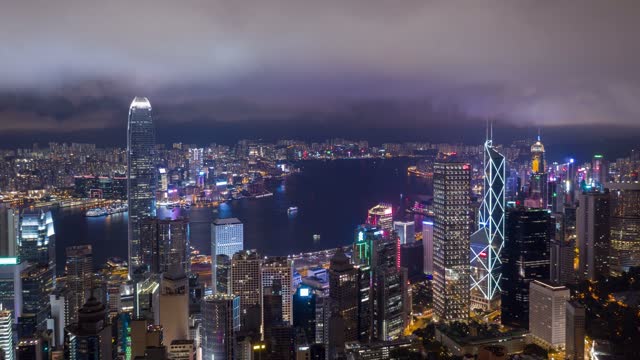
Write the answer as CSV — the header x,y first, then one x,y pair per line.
x,y
69,65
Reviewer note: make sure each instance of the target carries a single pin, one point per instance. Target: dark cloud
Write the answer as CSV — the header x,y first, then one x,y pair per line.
x,y
369,61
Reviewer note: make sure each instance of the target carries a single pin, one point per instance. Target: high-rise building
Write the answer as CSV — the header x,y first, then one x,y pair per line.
x,y
227,238
221,319
11,285
599,170
36,241
525,258
538,162
164,243
427,246
30,349
79,270
488,241
280,269
388,314
381,216
9,231
538,182
60,302
405,230
625,225
246,283
141,173
594,231
90,338
37,285
6,334
575,331
451,242
343,294
547,314
304,312
174,305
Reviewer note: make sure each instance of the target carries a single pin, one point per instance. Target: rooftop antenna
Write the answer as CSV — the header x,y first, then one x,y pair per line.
x,y
491,130
539,134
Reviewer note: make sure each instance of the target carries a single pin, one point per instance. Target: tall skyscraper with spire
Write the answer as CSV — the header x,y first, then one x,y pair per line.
x,y
538,186
141,172
488,241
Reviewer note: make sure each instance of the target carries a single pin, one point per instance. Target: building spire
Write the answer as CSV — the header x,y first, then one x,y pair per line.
x,y
539,132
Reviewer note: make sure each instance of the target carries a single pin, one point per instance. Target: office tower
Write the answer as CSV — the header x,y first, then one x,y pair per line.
x,y
6,334
29,349
143,336
37,285
381,216
525,258
537,196
90,338
625,225
599,171
174,305
60,302
271,307
227,238
427,246
547,314
9,230
304,312
79,270
412,259
488,241
36,241
562,255
406,231
181,350
593,230
141,173
451,231
223,273
11,285
343,294
246,282
146,294
389,312
280,269
363,248
164,243
220,319
280,344
575,331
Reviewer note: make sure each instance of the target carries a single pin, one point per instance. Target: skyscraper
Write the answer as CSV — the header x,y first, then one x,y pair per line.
x,y
381,216
6,334
79,272
141,173
280,269
343,294
625,225
405,230
227,238
427,246
525,258
538,182
304,312
90,338
221,318
36,240
547,313
174,305
246,283
451,232
593,230
489,239
575,331
164,243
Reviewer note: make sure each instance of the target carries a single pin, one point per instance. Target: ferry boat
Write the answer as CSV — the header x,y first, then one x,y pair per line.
x,y
292,210
96,212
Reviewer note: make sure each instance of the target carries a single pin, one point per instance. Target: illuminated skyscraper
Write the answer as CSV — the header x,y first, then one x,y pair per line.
x,y
79,276
451,234
221,319
164,243
381,216
488,241
405,230
343,294
538,162
547,314
599,170
594,231
525,258
246,282
538,196
6,334
90,338
227,238
141,173
427,243
625,225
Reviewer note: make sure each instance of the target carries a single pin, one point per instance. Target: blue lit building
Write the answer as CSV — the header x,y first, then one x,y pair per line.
x,y
304,312
227,238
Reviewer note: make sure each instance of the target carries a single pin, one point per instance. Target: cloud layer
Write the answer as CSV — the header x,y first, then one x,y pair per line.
x,y
527,62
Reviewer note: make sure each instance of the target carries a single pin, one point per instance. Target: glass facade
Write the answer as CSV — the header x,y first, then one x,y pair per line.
x,y
141,173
